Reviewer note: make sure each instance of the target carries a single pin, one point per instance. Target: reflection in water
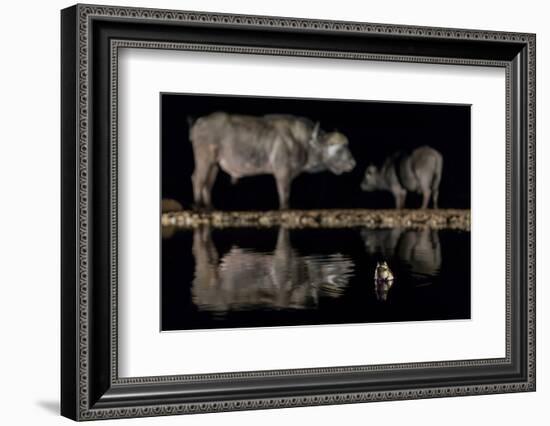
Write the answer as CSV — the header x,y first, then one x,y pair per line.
x,y
381,289
419,249
383,280
168,231
257,277
244,279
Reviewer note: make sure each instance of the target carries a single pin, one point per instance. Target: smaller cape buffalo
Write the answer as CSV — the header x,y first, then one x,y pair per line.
x,y
418,171
280,145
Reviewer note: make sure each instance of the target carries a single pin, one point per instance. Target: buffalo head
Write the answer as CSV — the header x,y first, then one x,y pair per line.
x,y
370,180
334,150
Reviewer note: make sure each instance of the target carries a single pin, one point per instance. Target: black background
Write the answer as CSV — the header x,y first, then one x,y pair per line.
x,y
374,129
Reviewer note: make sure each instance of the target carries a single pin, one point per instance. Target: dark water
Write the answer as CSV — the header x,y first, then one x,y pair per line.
x,y
274,277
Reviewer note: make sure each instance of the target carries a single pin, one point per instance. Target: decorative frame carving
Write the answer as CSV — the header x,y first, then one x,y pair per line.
x,y
91,388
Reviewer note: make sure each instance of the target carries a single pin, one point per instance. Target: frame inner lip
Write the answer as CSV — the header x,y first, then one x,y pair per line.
x,y
115,44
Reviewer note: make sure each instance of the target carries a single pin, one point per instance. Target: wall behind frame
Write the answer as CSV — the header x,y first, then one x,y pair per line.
x,y
30,228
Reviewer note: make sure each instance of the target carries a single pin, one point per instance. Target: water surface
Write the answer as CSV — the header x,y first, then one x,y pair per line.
x,y
248,277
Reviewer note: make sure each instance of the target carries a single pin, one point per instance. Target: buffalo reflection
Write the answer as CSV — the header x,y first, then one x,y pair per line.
x,y
419,249
244,279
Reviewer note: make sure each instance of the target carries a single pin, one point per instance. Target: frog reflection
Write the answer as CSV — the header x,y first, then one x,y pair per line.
x,y
419,249
281,279
383,280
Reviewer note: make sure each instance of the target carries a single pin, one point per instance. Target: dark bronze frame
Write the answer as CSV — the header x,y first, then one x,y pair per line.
x,y
91,37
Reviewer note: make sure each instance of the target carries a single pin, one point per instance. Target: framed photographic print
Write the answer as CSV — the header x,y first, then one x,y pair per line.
x,y
263,212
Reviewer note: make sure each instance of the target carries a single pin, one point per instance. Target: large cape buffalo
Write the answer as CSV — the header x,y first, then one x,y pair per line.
x,y
281,145
418,171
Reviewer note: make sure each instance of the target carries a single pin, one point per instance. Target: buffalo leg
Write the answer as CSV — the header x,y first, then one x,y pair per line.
x,y
436,181
425,183
426,194
207,187
399,196
435,198
403,197
283,189
205,160
198,178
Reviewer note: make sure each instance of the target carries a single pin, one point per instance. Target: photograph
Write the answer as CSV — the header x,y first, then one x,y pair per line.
x,y
298,211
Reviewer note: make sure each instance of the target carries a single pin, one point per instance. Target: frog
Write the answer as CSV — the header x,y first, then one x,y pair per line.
x,y
383,273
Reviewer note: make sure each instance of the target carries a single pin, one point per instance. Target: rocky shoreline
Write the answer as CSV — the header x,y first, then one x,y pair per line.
x,y
345,218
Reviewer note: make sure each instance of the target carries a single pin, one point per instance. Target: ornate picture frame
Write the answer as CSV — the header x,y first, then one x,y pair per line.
x,y
91,38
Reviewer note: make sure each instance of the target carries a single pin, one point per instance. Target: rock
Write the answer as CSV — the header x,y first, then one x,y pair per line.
x,y
436,219
170,205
